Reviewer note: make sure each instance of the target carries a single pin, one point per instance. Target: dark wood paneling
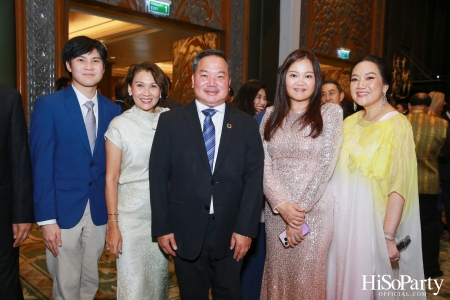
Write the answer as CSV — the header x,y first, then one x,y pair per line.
x,y
21,52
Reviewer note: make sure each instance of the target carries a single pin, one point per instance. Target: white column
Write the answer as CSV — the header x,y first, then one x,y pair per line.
x,y
289,28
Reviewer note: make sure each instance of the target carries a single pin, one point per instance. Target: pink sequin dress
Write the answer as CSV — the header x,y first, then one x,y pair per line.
x,y
298,169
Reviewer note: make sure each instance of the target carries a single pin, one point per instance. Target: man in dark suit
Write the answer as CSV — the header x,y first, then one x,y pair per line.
x,y
16,194
206,169
444,168
68,157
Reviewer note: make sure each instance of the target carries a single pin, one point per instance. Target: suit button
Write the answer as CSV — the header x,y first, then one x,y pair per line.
x,y
207,207
90,183
213,182
91,165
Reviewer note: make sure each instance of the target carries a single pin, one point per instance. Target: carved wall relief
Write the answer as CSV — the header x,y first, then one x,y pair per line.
x,y
342,76
184,52
350,24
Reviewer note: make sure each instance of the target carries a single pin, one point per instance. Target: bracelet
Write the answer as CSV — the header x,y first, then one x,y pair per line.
x,y
389,234
113,221
390,240
113,214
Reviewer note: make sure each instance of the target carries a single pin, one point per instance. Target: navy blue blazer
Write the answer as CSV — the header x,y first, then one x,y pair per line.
x,y
65,172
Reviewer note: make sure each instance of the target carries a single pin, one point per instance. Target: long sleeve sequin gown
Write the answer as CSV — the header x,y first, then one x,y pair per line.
x,y
142,269
298,169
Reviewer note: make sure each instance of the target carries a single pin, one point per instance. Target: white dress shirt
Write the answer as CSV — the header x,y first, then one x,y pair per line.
x,y
217,120
81,100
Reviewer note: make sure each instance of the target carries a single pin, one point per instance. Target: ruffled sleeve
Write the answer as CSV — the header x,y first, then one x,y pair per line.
x,y
402,174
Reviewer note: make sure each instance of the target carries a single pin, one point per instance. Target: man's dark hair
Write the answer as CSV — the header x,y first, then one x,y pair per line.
x,y
420,99
210,52
338,86
62,82
80,45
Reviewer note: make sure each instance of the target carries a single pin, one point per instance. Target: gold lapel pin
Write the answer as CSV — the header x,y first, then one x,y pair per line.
x,y
228,125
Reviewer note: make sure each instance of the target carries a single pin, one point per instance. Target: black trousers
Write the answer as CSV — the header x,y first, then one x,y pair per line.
x,y
10,287
429,222
445,187
196,277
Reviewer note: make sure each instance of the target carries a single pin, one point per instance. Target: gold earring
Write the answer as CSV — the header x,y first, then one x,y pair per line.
x,y
383,100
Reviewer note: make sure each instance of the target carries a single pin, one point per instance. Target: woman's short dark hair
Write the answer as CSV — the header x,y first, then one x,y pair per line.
x,y
385,70
282,103
80,45
245,97
161,80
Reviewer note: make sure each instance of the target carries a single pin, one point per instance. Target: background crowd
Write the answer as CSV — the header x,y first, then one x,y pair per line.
x,y
300,203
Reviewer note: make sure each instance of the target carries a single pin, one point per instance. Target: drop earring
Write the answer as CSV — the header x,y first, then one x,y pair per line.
x,y
383,100
355,107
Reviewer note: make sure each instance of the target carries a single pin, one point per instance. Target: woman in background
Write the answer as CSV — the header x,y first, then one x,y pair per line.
x,y
142,268
377,195
251,97
301,139
402,107
437,104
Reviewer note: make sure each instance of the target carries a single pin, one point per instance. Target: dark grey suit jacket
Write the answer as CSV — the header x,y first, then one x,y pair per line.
x,y
16,192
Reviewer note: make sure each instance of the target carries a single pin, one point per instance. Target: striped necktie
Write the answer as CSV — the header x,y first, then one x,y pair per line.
x,y
209,135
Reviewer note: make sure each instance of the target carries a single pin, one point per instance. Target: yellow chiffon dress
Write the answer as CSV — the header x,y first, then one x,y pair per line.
x,y
377,158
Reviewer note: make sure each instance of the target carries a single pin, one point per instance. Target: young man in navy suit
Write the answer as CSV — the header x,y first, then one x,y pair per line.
x,y
68,159
206,168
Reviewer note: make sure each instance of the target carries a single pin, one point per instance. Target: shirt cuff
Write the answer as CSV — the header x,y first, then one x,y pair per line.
x,y
48,222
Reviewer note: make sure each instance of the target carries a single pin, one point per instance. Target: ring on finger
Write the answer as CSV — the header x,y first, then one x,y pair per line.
x,y
397,259
297,239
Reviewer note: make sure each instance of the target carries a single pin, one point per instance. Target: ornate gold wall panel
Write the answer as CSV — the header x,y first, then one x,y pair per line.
x,y
353,24
184,52
342,76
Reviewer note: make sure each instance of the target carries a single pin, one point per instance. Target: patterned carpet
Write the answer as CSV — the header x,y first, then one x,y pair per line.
x,y
37,284
36,281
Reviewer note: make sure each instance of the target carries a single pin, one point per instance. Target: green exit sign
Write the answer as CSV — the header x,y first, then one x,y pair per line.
x,y
157,7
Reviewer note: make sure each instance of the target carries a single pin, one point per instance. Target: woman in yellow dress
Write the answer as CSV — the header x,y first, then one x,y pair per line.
x,y
375,183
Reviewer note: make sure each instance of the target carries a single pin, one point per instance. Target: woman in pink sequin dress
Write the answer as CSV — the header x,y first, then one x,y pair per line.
x,y
302,139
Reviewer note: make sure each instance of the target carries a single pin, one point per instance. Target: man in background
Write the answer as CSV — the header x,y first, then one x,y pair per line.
x,y
429,136
169,102
120,95
332,93
62,83
16,190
